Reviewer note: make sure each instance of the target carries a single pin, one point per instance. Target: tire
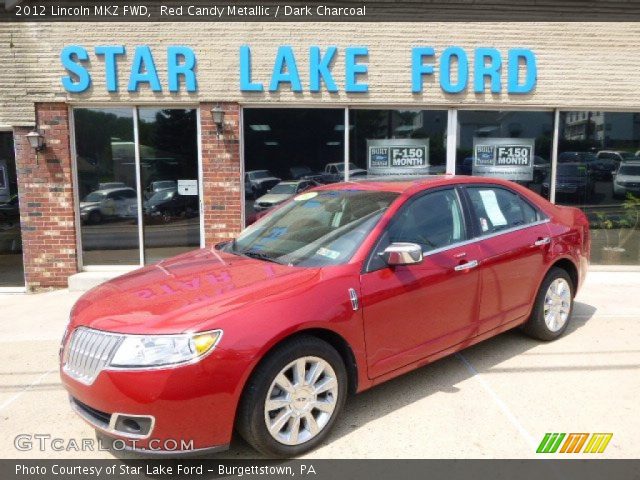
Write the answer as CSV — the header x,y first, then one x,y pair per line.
x,y
95,217
554,326
252,417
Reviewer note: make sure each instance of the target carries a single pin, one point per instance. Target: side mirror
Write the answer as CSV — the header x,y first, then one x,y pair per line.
x,y
402,254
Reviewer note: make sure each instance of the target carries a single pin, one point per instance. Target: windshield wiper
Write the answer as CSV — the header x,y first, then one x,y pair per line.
x,y
258,255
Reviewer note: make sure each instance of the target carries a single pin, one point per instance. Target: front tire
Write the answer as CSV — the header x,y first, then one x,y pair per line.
x,y
293,398
553,306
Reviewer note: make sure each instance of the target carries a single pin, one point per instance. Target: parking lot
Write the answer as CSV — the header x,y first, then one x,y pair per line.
x,y
494,400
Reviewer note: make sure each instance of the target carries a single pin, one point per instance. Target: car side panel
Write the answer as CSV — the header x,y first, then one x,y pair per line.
x,y
511,266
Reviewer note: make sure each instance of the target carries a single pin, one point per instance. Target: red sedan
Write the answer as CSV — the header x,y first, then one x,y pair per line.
x,y
341,288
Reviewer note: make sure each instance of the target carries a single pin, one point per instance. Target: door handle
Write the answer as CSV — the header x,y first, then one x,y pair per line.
x,y
466,266
542,241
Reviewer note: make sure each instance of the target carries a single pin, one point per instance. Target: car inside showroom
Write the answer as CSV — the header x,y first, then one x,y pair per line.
x,y
339,236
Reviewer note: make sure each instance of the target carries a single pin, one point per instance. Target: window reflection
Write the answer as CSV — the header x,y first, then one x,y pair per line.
x,y
514,145
105,159
169,175
11,266
288,151
398,142
599,171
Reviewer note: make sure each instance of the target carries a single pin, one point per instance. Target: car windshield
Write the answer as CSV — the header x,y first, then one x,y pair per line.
x,y
94,197
161,196
628,156
572,170
633,170
260,174
315,229
284,188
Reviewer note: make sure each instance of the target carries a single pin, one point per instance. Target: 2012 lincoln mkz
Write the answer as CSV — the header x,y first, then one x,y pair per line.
x,y
335,291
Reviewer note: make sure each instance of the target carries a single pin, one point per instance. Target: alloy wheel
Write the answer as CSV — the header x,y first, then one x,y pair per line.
x,y
301,400
557,304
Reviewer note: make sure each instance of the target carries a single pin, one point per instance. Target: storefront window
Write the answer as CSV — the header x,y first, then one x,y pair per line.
x,y
397,142
169,179
106,166
287,151
11,265
599,171
514,145
108,184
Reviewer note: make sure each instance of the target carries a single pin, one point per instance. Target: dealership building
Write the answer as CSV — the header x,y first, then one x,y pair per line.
x,y
122,144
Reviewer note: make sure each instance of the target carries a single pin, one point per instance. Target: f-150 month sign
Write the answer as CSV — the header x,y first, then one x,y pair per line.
x,y
398,156
508,158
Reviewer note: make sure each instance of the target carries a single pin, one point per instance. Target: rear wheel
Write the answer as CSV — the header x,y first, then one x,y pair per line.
x,y
553,306
95,217
293,398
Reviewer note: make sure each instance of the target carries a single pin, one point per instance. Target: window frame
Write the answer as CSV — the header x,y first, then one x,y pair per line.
x,y
477,232
134,107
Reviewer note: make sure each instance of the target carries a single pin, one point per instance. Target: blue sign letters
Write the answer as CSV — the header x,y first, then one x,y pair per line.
x,y
449,68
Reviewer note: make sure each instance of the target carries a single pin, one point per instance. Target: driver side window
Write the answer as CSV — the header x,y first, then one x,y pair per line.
x,y
434,220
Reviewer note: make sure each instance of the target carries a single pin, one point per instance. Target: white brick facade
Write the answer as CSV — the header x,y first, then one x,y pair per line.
x,y
580,65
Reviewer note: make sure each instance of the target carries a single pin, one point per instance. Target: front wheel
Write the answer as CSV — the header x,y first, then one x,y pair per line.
x,y
553,306
293,398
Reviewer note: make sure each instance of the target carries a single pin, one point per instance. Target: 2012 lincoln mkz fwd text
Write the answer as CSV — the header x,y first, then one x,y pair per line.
x,y
337,290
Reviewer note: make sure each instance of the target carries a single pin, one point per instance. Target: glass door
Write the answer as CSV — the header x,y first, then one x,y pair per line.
x,y
169,178
11,263
137,180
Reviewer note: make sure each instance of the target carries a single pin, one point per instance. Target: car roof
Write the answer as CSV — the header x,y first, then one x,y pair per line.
x,y
404,184
110,190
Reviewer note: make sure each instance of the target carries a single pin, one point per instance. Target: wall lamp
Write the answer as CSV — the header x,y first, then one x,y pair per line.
x,y
36,140
218,118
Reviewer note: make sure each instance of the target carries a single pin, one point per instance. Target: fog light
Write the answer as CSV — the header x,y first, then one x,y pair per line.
x,y
131,425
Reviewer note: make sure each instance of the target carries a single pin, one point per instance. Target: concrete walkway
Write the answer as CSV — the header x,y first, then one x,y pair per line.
x,y
494,400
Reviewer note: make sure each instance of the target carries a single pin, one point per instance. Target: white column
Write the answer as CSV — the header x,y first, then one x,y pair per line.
x,y
452,140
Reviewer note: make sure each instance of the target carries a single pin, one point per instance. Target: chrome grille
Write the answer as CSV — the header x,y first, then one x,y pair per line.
x,y
89,351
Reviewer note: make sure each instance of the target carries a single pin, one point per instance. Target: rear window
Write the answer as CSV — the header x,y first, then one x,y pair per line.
x,y
496,209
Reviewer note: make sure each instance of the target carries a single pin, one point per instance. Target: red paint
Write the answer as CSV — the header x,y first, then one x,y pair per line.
x,y
408,316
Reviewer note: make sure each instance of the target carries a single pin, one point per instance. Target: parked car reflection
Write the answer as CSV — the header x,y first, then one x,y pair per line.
x,y
572,180
107,204
627,180
334,172
303,172
159,185
602,167
166,205
257,182
281,192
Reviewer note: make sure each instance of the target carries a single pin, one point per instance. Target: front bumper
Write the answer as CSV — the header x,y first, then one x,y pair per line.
x,y
186,408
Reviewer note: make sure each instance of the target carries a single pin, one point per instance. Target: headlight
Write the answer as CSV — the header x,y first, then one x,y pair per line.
x,y
140,351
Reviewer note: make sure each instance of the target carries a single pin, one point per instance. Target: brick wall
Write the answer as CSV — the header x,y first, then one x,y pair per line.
x,y
46,200
221,174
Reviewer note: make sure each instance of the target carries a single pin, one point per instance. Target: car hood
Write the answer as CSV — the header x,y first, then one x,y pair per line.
x,y
89,204
266,179
274,197
185,293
